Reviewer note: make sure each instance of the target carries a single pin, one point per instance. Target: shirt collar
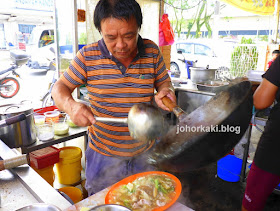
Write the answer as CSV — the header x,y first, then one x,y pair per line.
x,y
105,52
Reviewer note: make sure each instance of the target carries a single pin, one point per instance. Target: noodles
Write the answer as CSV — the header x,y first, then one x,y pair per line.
x,y
145,193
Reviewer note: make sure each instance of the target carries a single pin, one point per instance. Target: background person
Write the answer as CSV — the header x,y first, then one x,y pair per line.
x,y
264,174
120,70
275,53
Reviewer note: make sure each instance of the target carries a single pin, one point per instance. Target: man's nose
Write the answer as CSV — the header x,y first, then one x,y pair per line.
x,y
120,43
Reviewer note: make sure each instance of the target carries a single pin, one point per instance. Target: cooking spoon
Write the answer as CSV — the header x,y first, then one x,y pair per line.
x,y
145,122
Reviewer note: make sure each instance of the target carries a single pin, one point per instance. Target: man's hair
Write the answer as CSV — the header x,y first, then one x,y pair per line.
x,y
120,9
276,52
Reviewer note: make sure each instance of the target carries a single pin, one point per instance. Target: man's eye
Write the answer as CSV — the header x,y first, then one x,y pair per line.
x,y
129,37
111,38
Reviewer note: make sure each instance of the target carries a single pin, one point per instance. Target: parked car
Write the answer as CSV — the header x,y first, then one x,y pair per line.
x,y
40,48
206,53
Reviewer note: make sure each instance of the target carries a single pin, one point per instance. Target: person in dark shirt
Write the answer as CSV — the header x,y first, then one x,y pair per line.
x,y
264,174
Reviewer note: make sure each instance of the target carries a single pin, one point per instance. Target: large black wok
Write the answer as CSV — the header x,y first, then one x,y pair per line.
x,y
192,148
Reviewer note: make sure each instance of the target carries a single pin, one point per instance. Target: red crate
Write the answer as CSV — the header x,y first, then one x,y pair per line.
x,y
45,157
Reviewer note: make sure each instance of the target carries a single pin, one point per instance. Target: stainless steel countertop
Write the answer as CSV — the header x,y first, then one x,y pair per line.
x,y
23,186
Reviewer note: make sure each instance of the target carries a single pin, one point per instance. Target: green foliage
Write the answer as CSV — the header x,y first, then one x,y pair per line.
x,y
244,58
83,38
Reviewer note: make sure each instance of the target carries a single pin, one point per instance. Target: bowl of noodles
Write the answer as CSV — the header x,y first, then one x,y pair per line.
x,y
149,191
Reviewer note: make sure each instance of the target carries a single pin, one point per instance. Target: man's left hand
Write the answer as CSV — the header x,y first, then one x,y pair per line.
x,y
165,92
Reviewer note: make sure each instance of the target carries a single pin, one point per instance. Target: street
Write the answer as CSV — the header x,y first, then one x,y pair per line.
x,y
34,83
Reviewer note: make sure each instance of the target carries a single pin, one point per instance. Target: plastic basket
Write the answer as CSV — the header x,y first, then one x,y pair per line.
x,y
45,157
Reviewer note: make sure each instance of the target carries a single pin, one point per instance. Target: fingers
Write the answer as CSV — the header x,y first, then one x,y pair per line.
x,y
165,92
81,115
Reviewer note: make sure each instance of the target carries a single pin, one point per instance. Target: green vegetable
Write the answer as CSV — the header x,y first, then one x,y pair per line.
x,y
162,189
156,183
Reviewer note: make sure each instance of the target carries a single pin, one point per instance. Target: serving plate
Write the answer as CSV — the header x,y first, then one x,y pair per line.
x,y
177,190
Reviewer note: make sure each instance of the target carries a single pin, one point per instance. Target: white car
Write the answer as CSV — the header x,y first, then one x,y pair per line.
x,y
209,53
41,47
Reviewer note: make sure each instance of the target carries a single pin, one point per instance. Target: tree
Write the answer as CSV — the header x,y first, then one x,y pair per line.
x,y
178,7
200,18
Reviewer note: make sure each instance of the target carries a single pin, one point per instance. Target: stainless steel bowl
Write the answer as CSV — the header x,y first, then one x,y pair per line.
x,y
110,207
39,207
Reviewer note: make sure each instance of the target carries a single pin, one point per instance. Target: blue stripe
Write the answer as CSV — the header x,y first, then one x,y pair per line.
x,y
77,73
104,77
117,105
121,95
66,75
103,67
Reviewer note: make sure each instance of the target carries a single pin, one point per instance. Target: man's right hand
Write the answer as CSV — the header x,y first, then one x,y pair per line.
x,y
81,114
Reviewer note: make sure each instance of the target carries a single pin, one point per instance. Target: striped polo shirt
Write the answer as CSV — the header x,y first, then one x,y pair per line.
x,y
113,90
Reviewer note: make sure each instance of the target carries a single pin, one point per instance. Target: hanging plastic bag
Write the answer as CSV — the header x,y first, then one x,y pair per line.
x,y
166,29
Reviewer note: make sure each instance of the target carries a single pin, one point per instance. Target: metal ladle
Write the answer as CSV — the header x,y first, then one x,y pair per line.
x,y
145,122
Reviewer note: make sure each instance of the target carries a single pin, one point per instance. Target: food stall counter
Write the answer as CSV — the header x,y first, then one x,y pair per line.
x,y
99,198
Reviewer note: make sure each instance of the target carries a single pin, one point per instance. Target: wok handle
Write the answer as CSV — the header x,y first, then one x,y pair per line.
x,y
169,103
180,114
13,162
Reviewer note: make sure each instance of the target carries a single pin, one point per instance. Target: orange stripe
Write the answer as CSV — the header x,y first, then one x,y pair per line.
x,y
67,83
121,146
120,81
114,128
125,138
100,62
121,90
141,71
110,108
123,154
126,154
74,77
93,53
103,72
95,149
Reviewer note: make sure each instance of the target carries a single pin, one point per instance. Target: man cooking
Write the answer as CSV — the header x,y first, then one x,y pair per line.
x,y
120,70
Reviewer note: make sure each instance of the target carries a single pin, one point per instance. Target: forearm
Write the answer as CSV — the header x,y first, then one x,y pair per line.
x,y
62,96
166,85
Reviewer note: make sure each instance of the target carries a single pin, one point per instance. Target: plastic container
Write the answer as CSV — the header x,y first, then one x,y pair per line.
x,y
45,132
229,168
52,116
69,166
39,119
75,194
61,127
47,173
69,121
45,157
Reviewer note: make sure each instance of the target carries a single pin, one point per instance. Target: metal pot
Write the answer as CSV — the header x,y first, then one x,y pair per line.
x,y
21,133
200,74
110,207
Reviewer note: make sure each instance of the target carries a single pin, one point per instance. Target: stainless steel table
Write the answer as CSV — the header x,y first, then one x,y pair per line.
x,y
23,186
73,133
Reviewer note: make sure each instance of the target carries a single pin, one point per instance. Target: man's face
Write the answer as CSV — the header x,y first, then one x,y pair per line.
x,y
120,37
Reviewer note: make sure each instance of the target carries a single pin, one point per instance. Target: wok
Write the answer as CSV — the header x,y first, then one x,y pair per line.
x,y
193,148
